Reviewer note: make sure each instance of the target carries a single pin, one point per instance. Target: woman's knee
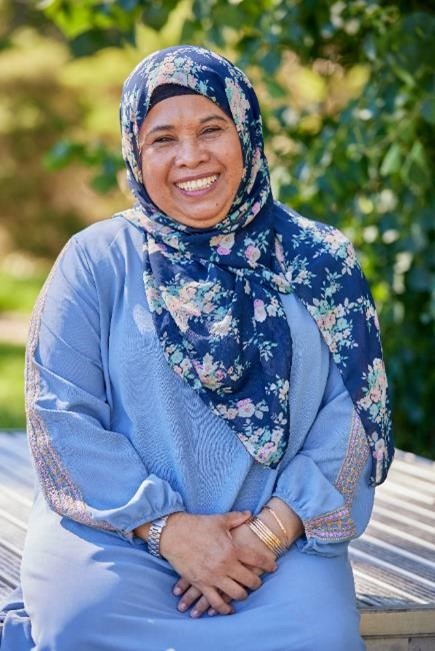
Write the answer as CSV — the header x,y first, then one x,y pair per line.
x,y
336,632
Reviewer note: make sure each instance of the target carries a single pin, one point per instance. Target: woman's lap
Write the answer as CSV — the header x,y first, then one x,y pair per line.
x,y
87,589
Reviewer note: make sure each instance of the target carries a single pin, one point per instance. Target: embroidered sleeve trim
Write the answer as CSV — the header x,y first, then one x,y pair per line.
x,y
338,525
62,494
354,461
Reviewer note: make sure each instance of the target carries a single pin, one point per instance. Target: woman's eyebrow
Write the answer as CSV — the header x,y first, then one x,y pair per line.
x,y
213,116
169,127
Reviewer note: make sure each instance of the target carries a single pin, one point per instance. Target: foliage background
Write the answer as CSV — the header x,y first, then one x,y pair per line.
x,y
348,97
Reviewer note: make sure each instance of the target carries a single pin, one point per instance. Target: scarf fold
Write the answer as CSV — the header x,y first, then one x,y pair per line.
x,y
215,294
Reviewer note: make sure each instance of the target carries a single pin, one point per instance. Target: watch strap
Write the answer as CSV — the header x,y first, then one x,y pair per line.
x,y
154,535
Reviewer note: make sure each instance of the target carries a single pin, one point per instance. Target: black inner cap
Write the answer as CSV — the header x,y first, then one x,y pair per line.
x,y
165,91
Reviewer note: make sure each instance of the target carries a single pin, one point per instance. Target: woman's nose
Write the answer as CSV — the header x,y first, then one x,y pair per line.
x,y
191,152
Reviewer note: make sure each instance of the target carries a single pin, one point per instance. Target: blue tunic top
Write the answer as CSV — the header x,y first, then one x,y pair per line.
x,y
118,439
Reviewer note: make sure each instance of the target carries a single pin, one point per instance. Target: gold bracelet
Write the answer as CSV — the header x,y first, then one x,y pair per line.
x,y
269,544
268,537
267,532
280,524
263,532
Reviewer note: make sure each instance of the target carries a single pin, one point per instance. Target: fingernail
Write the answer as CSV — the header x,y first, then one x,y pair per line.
x,y
212,612
182,607
177,591
194,613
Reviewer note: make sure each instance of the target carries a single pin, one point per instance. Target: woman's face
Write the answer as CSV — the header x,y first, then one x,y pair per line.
x,y
191,160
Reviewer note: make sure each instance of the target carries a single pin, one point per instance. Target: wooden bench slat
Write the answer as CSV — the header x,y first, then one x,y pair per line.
x,y
19,510
409,523
376,526
406,492
425,514
15,442
383,563
9,568
376,544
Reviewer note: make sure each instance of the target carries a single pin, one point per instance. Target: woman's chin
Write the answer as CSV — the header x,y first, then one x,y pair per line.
x,y
198,216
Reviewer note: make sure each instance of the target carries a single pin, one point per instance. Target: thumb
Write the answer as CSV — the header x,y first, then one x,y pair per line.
x,y
235,518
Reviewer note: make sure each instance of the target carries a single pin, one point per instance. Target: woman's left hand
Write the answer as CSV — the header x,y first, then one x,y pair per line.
x,y
243,537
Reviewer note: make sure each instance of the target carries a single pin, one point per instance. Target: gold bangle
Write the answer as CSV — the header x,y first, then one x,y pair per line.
x,y
263,532
267,532
270,546
280,524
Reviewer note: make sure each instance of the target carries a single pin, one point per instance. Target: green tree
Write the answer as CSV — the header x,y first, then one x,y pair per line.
x,y
348,95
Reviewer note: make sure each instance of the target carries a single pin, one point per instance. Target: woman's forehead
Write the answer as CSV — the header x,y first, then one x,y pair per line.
x,y
182,110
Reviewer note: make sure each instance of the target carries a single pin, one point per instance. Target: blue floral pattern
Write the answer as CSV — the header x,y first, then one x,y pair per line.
x,y
215,295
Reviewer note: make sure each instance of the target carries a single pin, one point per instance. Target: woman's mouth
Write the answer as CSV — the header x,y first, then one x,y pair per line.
x,y
197,186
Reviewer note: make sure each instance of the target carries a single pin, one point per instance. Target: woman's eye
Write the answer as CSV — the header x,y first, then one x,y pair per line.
x,y
211,130
162,140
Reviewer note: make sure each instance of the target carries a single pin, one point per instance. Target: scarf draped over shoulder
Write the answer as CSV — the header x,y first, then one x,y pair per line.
x,y
215,294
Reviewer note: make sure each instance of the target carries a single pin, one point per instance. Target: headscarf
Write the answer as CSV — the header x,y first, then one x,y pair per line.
x,y
214,294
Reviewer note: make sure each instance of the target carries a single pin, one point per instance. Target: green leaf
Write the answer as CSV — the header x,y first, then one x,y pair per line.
x,y
156,14
128,5
427,110
392,161
271,61
95,39
228,15
62,154
275,89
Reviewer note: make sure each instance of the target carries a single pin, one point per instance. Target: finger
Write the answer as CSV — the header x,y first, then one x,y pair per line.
x,y
233,589
263,560
191,595
200,607
217,601
212,611
247,577
181,586
235,518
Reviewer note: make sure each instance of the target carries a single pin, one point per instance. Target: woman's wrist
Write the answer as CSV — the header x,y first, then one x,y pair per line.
x,y
291,523
143,530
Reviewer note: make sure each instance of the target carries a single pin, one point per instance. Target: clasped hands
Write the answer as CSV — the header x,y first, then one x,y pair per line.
x,y
218,558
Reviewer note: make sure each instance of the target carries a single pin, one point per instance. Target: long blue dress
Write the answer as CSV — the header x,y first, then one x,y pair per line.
x,y
118,439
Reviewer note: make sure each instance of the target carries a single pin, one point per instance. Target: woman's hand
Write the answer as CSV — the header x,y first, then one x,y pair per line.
x,y
243,538
204,552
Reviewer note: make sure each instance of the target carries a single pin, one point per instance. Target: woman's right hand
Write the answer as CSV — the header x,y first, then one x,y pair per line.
x,y
201,549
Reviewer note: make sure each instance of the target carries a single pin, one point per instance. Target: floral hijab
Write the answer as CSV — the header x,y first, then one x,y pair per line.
x,y
215,294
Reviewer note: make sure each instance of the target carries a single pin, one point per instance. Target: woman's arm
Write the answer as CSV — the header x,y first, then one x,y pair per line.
x,y
87,471
327,482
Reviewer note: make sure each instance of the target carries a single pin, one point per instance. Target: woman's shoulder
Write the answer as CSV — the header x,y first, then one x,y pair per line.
x,y
100,237
101,249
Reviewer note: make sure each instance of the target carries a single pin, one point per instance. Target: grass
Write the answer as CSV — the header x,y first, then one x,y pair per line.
x,y
11,386
18,294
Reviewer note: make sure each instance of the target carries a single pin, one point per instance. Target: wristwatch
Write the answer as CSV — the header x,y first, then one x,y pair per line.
x,y
154,534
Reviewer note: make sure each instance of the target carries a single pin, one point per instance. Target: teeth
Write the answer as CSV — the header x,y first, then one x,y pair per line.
x,y
197,184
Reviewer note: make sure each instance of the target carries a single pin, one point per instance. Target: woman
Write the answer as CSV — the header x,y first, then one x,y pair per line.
x,y
206,396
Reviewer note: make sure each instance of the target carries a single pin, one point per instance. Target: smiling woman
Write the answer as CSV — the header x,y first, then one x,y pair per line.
x,y
191,159
206,399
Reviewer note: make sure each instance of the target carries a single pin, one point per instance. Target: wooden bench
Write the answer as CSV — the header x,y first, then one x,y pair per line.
x,y
393,562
